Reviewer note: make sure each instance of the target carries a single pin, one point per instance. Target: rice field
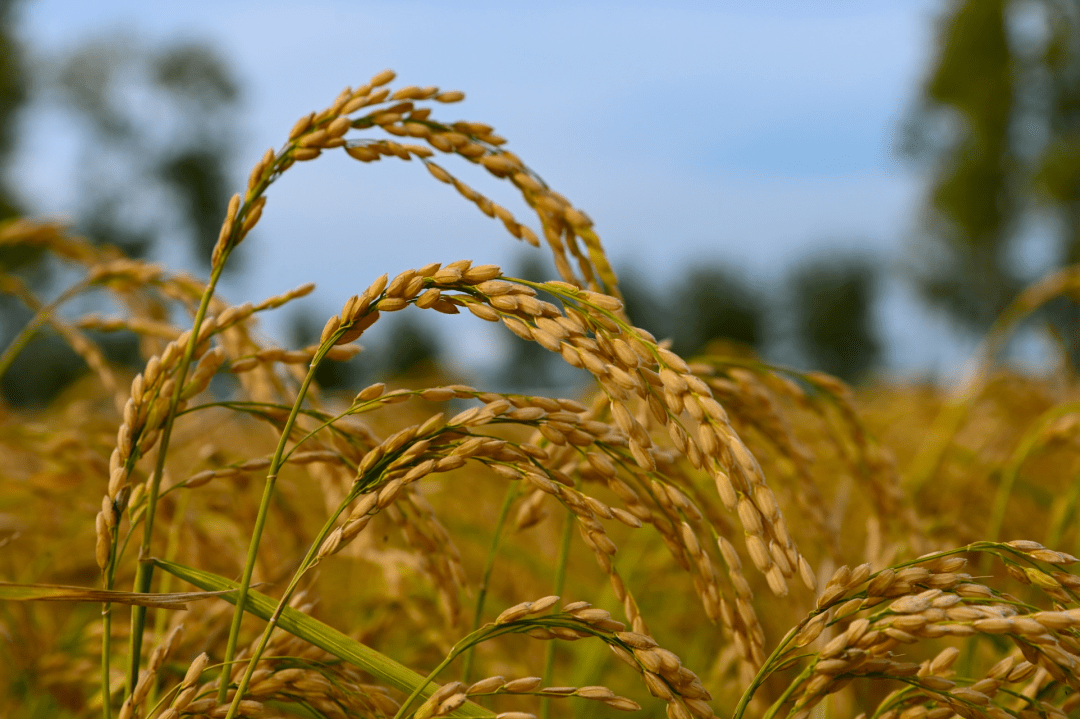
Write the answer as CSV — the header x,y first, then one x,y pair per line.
x,y
704,536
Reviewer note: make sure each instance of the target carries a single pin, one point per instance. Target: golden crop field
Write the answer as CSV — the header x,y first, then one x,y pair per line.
x,y
696,537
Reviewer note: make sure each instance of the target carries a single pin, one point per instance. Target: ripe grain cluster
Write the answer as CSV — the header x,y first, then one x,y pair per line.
x,y
698,537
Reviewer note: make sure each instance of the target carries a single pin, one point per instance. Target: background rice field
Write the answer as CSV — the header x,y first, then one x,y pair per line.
x,y
746,537
646,513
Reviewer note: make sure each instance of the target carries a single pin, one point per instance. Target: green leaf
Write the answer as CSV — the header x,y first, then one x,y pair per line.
x,y
62,593
321,635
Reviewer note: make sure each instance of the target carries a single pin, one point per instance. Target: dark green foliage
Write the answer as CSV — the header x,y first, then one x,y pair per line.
x,y
160,124
527,365
47,365
13,94
643,306
712,303
40,372
200,185
832,312
1000,126
972,194
408,346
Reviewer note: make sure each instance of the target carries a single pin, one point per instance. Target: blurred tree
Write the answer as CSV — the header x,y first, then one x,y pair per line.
x,y
831,312
713,302
644,308
13,94
48,365
527,365
1000,126
409,346
156,127
24,382
160,126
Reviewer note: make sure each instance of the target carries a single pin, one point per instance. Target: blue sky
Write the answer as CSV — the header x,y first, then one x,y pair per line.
x,y
755,134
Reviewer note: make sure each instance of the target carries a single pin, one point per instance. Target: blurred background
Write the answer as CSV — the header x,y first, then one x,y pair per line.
x,y
847,186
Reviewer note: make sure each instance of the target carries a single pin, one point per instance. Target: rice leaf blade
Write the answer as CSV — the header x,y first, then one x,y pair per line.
x,y
64,593
321,635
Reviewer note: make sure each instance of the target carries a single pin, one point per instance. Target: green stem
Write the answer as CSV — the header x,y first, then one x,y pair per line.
x,y
172,548
144,570
560,582
283,602
305,565
469,642
489,565
429,679
260,521
106,649
766,667
108,579
788,692
898,697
